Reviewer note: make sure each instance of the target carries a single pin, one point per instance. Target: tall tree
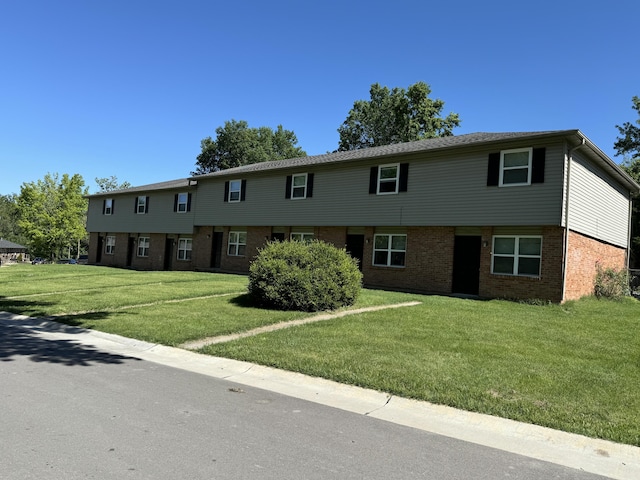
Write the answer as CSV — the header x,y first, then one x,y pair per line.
x,y
236,144
629,147
395,116
52,213
9,229
108,184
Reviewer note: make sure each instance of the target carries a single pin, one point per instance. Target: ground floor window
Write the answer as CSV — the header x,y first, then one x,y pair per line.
x,y
517,255
143,246
389,250
110,245
237,244
184,249
301,237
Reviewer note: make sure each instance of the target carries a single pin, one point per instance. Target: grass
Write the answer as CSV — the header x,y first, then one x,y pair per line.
x,y
573,367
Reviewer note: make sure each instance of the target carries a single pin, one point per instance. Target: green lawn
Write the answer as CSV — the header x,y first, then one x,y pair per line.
x,y
573,367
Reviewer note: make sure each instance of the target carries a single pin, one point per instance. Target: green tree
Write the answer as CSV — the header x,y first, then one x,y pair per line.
x,y
629,147
395,116
236,144
9,229
108,184
52,213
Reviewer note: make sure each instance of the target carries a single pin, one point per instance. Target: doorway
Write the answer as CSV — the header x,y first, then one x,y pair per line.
x,y
216,250
466,265
355,248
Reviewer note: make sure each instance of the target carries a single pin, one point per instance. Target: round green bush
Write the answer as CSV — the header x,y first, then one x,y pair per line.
x,y
309,277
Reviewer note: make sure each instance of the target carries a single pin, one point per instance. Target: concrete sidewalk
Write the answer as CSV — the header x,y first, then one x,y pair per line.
x,y
575,451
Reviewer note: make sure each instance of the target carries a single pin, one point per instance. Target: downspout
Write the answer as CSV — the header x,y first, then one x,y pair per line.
x,y
566,218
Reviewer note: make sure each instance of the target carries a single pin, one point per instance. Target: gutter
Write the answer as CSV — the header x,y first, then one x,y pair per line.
x,y
566,216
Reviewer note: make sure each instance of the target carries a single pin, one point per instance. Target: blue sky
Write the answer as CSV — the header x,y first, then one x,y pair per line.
x,y
129,88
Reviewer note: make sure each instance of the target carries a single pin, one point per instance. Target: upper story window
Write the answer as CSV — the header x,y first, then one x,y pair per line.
x,y
108,206
299,186
143,246
182,202
389,250
235,190
516,167
517,255
184,249
110,245
389,179
142,205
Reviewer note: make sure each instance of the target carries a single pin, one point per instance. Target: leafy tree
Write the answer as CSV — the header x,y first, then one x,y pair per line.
x,y
52,213
629,146
9,229
395,116
108,184
236,144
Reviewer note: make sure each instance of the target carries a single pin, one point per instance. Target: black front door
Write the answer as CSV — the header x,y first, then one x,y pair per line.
x,y
355,248
168,253
99,250
466,264
131,246
216,250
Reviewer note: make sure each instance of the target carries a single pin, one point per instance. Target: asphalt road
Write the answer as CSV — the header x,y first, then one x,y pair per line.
x,y
69,410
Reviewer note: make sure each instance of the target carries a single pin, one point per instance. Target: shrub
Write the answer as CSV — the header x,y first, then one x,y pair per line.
x,y
612,283
310,277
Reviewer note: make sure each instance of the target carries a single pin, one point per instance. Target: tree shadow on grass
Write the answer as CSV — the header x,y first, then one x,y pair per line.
x,y
23,337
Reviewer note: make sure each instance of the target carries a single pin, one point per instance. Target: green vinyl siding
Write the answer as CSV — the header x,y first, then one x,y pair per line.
x,y
160,217
443,190
598,206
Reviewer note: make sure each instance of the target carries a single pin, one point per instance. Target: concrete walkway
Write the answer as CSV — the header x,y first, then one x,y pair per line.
x,y
575,451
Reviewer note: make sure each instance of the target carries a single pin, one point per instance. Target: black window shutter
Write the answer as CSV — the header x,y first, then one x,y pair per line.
x,y
146,206
226,191
538,160
104,206
188,202
113,206
404,177
175,203
373,180
309,185
243,190
493,172
135,205
287,192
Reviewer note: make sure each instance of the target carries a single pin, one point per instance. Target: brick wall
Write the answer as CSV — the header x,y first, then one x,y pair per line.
x,y
546,287
428,262
584,255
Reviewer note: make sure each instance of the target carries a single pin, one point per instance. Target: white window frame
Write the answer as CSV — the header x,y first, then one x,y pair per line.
x,y
389,250
235,188
110,245
295,187
395,180
237,244
185,246
182,205
301,237
108,206
516,255
143,247
142,205
529,167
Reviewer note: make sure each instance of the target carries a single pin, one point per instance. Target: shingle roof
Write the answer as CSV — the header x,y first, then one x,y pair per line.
x,y
396,149
180,183
7,245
